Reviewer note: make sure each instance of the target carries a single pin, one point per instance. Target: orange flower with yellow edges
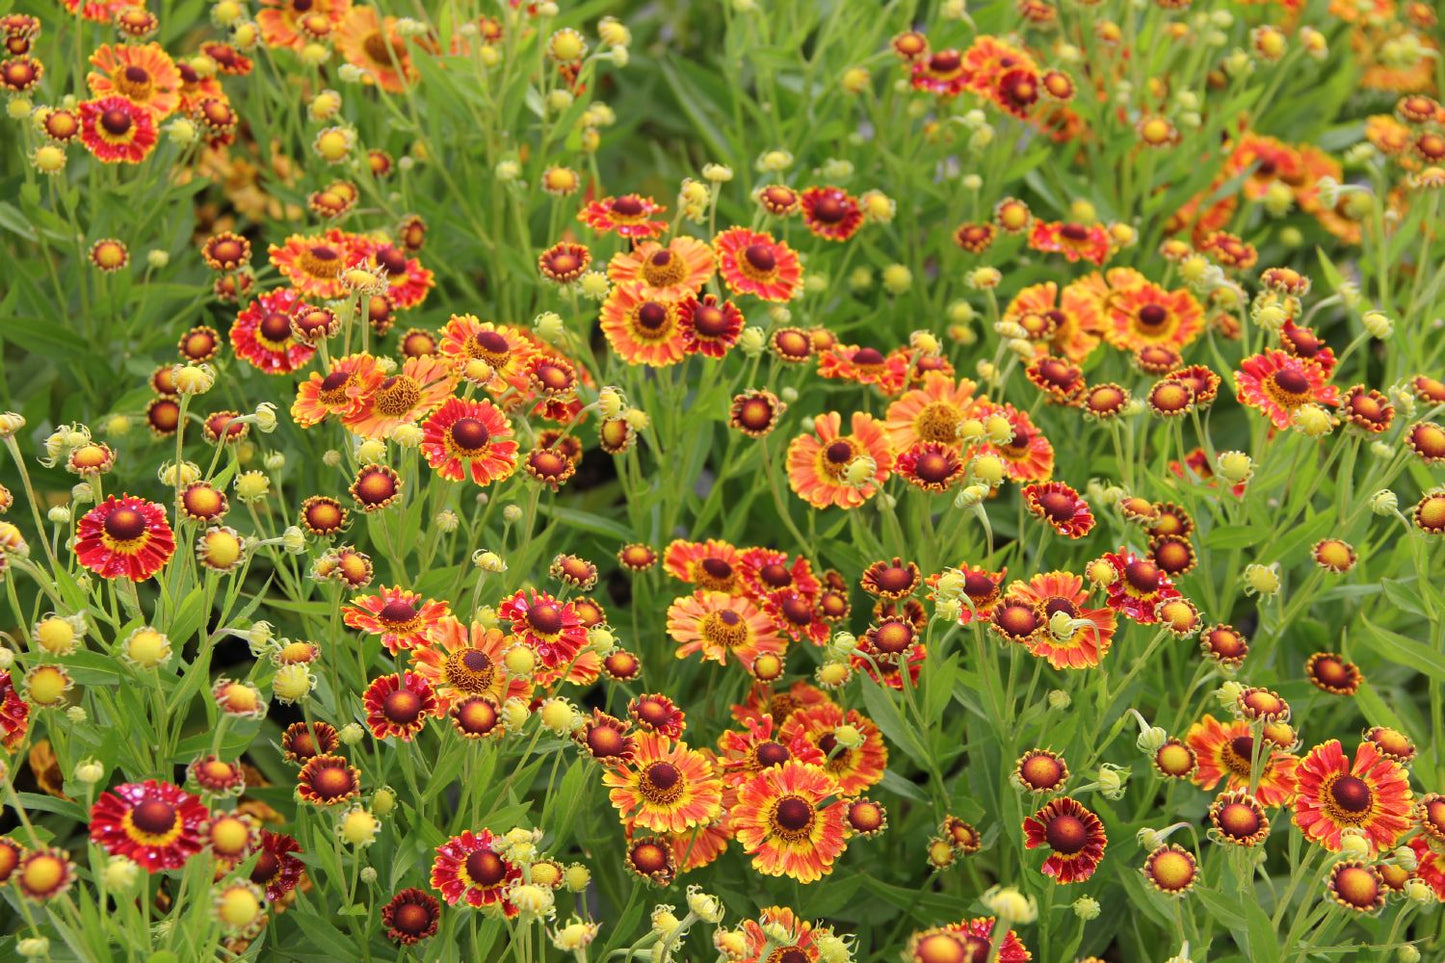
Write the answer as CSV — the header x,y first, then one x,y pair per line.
x,y
666,786
827,468
462,660
784,821
1226,750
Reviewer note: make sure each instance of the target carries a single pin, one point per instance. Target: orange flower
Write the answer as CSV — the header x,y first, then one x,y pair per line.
x,y
1074,241
469,439
1146,315
783,821
314,264
932,413
1226,751
117,130
831,213
855,769
1277,384
819,464
402,618
343,391
421,385
501,348
369,41
666,786
1371,795
1027,454
717,624
711,565
462,661
626,215
144,74
641,327
1066,322
753,263
866,366
1085,644
669,273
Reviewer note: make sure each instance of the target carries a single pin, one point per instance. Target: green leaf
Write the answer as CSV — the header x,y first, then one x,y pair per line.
x,y
1404,651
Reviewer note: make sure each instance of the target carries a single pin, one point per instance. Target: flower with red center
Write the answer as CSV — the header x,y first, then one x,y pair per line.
x,y
670,273
399,705
262,336
791,345
144,74
1074,835
292,23
712,565
412,914
1089,242
831,213
941,73
124,537
975,238
753,263
1173,555
402,618
1427,440
1061,382
342,391
551,627
1138,586
117,130
784,821
376,487
718,625
709,327
1090,632
278,870
1171,869
498,352
1303,343
666,787
865,366
477,717
743,755
1367,410
323,516
564,262
328,780
422,385
300,742
930,466
1227,750
1061,507
1041,771
626,215
470,868
14,714
641,327
765,571
604,738
657,713
637,556
798,615
407,281
822,466
371,42
1027,455
856,770
469,440
1371,795
315,264
1146,316
756,412
1330,673
1277,384
156,824
969,941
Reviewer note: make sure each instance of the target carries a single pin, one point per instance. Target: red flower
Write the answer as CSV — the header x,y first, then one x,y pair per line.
x,y
1073,241
1372,795
831,213
1061,507
401,618
411,916
753,263
1138,587
277,870
399,705
473,439
262,335
708,326
156,824
1075,835
1276,384
626,215
549,626
117,130
125,536
14,713
468,868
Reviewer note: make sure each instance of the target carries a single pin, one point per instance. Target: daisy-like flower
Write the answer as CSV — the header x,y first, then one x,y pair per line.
x,y
14,714
604,738
666,787
299,742
784,821
314,264
400,617
499,352
756,412
831,213
1277,384
291,23
711,565
1226,750
1146,315
156,824
422,385
942,73
261,334
328,780
469,439
709,327
1089,242
753,263
471,869
1239,819
965,942
627,216
462,660
410,916
144,74
399,705
370,41
278,870
1090,632
342,391
641,327
744,754
407,282
1027,454
1074,835
1138,586
821,465
1061,507
718,625
669,273
117,130
126,537
658,714
865,366
857,769
550,627
1371,795
376,487
930,466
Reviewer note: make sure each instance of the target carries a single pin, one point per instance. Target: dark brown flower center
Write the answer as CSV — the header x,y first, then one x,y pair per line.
x,y
829,209
469,434
402,707
397,611
486,868
1143,576
663,775
1152,315
153,817
652,316
761,257
794,813
268,864
716,567
710,321
275,326
545,618
772,754
1291,381
115,122
945,61
124,524
1351,794
408,917
627,206
839,452
1066,834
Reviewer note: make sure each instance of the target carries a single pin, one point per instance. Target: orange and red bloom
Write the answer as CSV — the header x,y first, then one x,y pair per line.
x,y
469,440
1370,795
1074,836
785,820
125,537
470,869
400,617
666,786
156,824
117,130
753,263
822,466
1278,384
262,336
